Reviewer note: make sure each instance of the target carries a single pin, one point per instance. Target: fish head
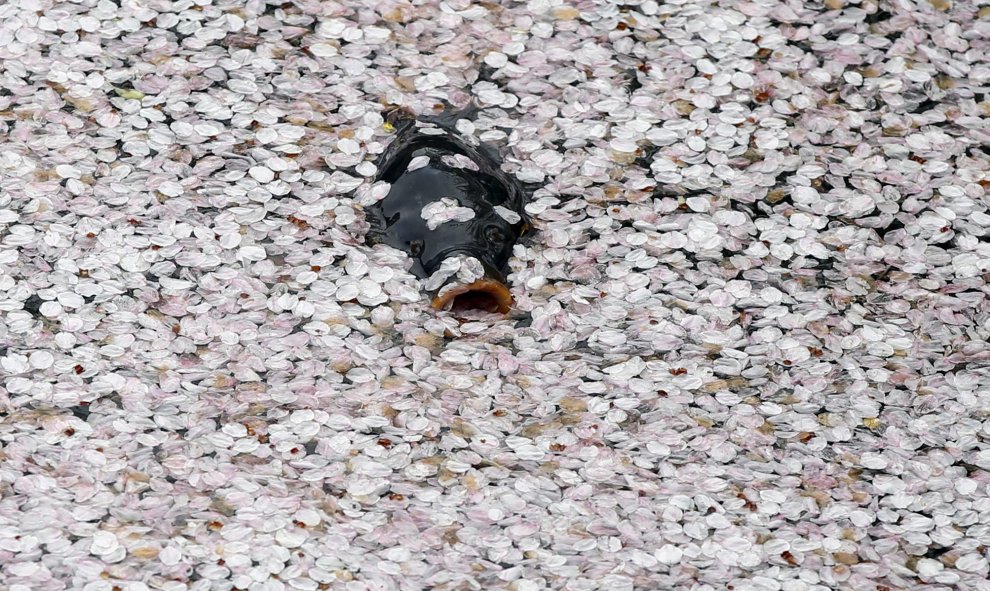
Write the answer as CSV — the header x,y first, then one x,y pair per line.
x,y
426,170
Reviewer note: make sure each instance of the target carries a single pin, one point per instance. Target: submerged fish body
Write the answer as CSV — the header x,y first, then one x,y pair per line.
x,y
449,201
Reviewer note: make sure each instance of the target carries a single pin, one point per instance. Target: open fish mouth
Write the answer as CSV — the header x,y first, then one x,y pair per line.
x,y
487,294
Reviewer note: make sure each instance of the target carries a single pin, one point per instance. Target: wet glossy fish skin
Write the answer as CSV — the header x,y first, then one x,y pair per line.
x,y
397,221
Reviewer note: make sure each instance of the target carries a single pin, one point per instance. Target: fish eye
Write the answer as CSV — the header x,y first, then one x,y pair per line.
x,y
416,247
494,235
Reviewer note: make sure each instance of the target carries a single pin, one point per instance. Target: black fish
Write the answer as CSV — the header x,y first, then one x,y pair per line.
x,y
466,177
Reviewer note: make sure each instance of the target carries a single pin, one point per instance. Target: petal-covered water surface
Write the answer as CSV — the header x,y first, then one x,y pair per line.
x,y
250,251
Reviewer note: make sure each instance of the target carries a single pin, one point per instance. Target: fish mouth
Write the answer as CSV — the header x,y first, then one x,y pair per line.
x,y
488,294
